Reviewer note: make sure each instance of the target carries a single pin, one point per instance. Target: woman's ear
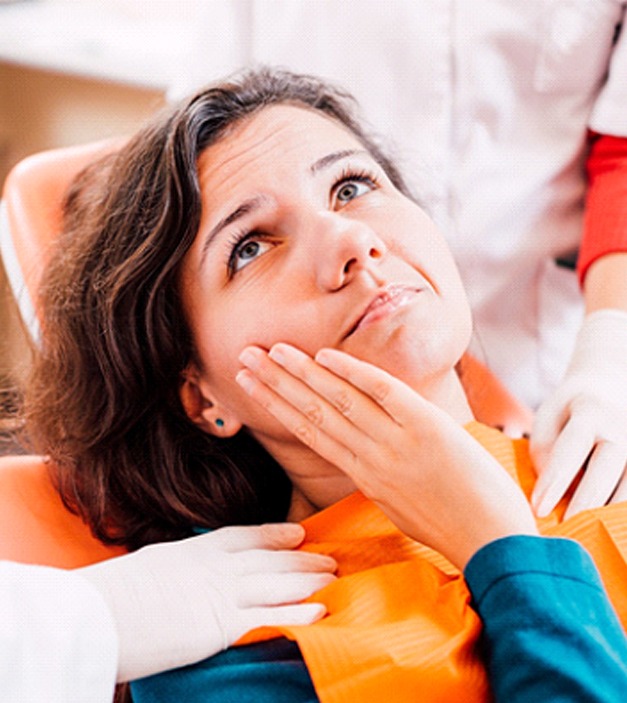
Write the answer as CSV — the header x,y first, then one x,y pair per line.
x,y
203,410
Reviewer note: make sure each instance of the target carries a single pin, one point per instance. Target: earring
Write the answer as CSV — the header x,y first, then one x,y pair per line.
x,y
219,422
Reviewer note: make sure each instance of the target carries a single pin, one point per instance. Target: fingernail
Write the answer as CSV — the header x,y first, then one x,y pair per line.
x,y
323,357
277,354
245,380
250,357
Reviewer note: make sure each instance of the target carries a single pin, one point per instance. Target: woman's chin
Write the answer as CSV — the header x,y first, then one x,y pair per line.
x,y
413,358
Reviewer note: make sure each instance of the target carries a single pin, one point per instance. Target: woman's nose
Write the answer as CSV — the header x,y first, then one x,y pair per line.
x,y
345,247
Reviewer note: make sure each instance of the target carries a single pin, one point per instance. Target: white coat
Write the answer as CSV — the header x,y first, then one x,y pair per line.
x,y
57,638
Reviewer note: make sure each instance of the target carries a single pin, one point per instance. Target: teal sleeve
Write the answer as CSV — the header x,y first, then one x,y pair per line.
x,y
550,632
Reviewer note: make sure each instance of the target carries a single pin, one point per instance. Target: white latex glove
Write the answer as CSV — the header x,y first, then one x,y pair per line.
x,y
179,602
586,417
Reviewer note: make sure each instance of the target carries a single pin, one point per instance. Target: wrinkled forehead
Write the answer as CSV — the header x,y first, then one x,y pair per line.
x,y
283,135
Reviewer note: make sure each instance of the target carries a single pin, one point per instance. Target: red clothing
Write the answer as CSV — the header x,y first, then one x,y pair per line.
x,y
605,221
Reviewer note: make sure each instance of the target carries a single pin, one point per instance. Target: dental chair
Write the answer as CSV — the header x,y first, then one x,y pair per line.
x,y
35,526
30,216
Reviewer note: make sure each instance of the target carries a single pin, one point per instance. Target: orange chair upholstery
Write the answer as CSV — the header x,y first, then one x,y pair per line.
x,y
34,525
491,402
31,216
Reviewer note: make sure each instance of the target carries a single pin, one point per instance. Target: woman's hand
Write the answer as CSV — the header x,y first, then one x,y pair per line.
x,y
431,478
179,602
584,423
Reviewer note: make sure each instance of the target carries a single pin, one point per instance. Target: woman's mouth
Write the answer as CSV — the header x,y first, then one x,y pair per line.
x,y
387,301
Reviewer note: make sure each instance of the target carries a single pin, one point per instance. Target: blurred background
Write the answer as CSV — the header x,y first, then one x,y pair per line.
x,y
74,71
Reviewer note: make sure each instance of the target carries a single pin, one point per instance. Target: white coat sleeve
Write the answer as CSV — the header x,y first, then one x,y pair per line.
x,y
58,642
608,115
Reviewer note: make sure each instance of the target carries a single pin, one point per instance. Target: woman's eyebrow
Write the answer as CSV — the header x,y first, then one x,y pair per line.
x,y
240,211
252,204
332,158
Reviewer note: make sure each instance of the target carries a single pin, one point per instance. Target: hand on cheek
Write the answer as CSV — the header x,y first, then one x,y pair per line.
x,y
424,470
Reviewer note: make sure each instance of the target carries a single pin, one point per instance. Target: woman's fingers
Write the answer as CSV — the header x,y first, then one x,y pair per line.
x,y
398,400
358,390
323,411
350,412
309,431
343,396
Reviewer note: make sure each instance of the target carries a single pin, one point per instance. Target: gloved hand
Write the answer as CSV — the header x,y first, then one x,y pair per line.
x,y
179,602
586,419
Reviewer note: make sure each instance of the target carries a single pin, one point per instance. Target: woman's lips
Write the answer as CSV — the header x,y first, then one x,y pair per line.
x,y
387,301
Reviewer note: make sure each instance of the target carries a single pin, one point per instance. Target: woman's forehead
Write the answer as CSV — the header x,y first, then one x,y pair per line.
x,y
278,134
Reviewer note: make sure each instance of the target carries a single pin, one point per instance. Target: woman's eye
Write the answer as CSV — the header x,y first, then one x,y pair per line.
x,y
349,190
247,251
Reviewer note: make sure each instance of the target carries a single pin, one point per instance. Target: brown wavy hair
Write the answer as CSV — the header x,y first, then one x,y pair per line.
x,y
103,399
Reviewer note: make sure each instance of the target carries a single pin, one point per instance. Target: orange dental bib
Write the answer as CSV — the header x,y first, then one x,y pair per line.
x,y
400,625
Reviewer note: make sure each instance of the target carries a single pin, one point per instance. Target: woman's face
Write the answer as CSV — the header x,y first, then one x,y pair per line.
x,y
303,239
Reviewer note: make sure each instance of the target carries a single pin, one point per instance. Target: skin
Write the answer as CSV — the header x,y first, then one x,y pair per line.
x,y
605,285
294,345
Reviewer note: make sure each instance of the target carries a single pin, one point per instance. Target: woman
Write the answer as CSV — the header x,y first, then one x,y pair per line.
x,y
260,213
